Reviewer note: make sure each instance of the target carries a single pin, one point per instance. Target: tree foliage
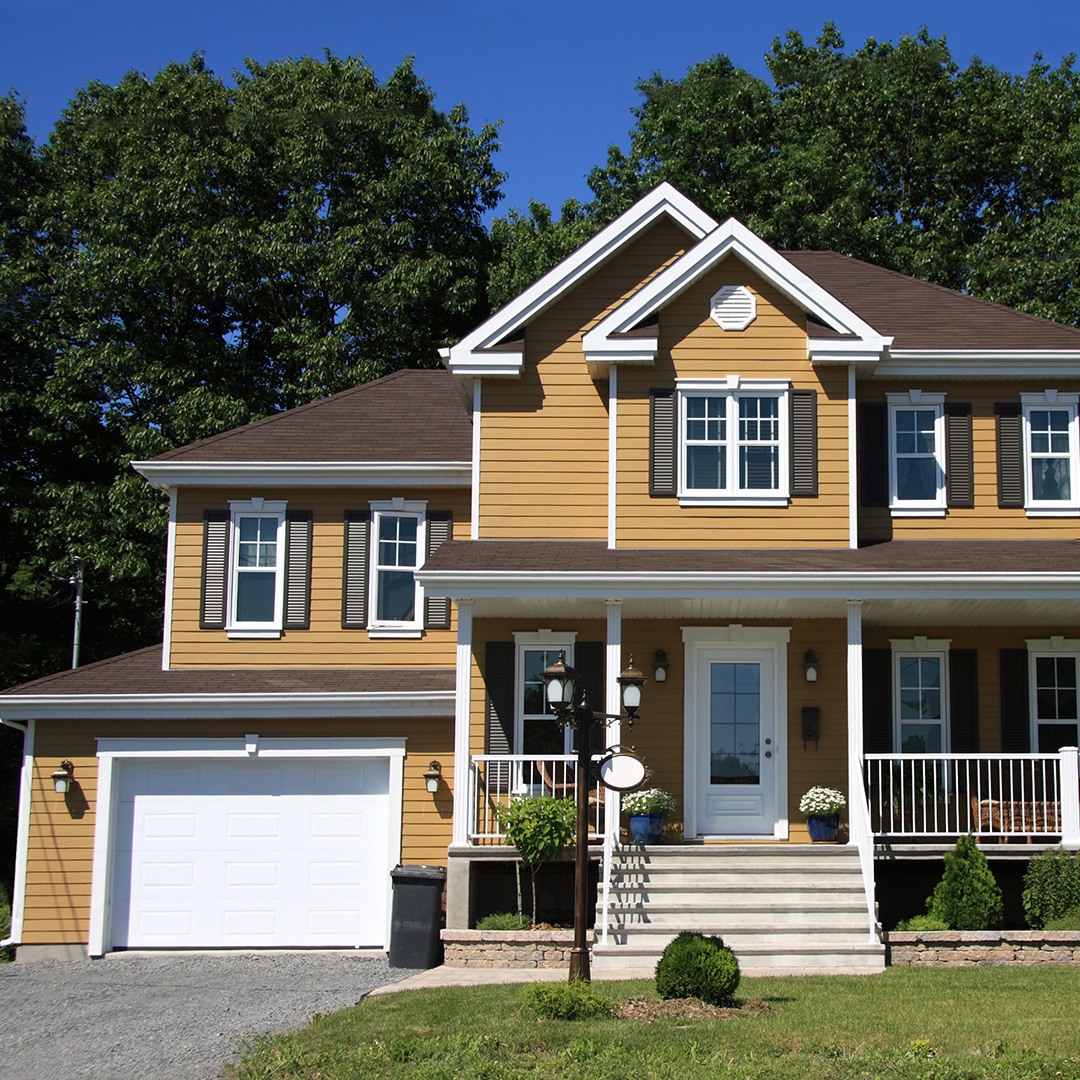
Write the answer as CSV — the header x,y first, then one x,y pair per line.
x,y
541,829
890,153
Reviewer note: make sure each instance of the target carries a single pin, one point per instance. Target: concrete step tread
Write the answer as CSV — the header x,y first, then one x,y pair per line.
x,y
854,949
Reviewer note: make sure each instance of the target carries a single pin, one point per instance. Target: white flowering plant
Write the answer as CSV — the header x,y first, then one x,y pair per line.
x,y
822,802
652,801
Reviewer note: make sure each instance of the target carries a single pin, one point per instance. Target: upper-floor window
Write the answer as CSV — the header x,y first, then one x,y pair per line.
x,y
917,454
734,442
256,559
1051,453
920,715
397,553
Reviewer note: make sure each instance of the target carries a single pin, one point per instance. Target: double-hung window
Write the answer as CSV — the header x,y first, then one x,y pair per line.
x,y
734,444
921,698
1055,716
256,559
397,552
1051,455
917,454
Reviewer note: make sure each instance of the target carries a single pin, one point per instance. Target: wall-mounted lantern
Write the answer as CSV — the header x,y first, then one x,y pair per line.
x,y
810,665
61,778
433,776
660,666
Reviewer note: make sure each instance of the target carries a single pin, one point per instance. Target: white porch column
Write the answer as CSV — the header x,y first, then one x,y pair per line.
x,y
462,718
612,704
1070,798
854,709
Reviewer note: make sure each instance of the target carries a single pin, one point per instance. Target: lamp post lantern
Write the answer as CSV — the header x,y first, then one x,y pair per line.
x,y
572,709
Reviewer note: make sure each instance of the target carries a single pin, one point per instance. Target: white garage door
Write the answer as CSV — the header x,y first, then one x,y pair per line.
x,y
251,852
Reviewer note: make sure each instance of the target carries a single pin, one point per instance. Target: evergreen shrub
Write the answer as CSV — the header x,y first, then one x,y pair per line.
x,y
504,920
921,922
1051,887
967,897
574,1000
696,966
1069,921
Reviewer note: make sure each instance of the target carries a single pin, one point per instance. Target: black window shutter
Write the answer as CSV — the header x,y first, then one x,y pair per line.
x,y
1015,721
1010,455
589,662
804,443
354,575
440,527
959,456
874,454
662,465
214,569
877,701
964,700
298,526
499,679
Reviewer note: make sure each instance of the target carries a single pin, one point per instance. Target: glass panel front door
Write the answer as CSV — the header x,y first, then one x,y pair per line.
x,y
735,718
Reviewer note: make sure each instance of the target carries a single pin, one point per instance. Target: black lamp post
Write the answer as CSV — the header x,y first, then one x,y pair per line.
x,y
572,709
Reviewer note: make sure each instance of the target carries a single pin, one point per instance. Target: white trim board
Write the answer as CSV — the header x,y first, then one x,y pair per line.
x,y
166,474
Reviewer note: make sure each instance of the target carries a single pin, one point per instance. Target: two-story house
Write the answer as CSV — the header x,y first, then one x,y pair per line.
x,y
830,510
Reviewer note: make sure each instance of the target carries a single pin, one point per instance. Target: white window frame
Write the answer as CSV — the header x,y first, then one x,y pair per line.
x,y
1051,399
922,648
732,389
1055,648
552,641
387,628
255,508
916,400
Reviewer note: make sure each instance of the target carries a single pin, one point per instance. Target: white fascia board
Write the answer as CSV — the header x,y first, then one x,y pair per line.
x,y
932,585
644,354
976,363
662,200
183,706
831,351
731,238
166,474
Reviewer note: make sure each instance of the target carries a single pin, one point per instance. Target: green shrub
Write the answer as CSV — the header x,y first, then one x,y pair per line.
x,y
1051,887
1069,921
967,897
541,829
697,966
504,920
574,1000
921,922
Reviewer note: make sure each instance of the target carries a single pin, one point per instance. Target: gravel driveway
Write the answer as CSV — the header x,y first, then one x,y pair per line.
x,y
165,1017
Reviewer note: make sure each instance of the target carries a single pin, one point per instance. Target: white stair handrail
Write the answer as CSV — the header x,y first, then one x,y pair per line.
x,y
860,835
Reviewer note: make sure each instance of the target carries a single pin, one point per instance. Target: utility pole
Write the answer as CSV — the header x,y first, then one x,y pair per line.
x,y
77,581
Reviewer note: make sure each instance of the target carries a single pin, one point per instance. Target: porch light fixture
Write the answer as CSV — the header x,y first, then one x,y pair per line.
x,y
660,666
810,665
433,776
61,778
572,709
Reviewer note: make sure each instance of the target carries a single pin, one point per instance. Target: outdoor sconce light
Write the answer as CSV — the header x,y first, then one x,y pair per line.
x,y
630,683
660,666
433,776
62,778
810,665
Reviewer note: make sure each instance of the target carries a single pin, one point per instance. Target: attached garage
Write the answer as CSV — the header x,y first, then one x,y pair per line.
x,y
278,843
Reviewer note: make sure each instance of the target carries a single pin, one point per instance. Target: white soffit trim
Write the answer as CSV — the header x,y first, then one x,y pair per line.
x,y
470,356
979,363
166,474
731,238
183,706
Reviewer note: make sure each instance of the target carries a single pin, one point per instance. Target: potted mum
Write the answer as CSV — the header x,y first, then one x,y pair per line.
x,y
647,810
822,806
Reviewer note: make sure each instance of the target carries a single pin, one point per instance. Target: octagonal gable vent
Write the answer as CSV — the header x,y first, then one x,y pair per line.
x,y
734,307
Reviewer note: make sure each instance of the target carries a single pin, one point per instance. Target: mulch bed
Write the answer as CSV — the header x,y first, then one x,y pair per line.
x,y
649,1009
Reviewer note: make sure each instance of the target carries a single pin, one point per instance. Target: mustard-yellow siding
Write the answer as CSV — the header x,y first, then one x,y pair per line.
x,y
325,644
61,847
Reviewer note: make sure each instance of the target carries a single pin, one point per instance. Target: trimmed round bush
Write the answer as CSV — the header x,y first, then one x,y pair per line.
x,y
696,966
967,897
1051,887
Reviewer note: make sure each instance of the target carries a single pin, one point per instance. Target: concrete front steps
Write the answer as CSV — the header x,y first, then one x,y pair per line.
x,y
780,907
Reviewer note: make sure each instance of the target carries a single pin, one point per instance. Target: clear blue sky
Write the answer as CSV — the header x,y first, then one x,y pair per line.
x,y
560,75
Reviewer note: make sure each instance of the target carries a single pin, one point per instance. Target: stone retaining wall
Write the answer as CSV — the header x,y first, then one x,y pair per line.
x,y
981,948
508,948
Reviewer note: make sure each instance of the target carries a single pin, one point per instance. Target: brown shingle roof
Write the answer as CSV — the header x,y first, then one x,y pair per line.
x,y
140,673
941,556
410,416
919,315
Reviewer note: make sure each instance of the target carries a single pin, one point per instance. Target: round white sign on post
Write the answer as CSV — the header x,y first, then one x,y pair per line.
x,y
622,771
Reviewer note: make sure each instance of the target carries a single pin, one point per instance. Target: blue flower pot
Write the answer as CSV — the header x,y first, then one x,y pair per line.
x,y
823,829
646,828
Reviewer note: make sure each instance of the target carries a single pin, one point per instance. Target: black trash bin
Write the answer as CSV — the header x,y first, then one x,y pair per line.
x,y
417,916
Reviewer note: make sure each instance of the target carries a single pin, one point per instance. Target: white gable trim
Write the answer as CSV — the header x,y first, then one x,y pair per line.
x,y
731,238
469,357
168,474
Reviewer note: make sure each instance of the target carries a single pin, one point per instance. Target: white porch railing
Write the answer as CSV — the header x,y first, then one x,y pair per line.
x,y
990,795
496,779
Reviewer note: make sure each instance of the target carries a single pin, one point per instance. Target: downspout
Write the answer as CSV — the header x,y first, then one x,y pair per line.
x,y
22,834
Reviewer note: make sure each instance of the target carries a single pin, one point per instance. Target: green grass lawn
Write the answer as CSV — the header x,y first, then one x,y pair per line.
x,y
907,1024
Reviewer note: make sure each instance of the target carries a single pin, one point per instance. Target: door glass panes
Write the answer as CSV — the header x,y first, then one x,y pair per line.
x,y
759,443
1050,474
920,705
541,733
396,561
1055,702
256,569
706,439
735,723
916,455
